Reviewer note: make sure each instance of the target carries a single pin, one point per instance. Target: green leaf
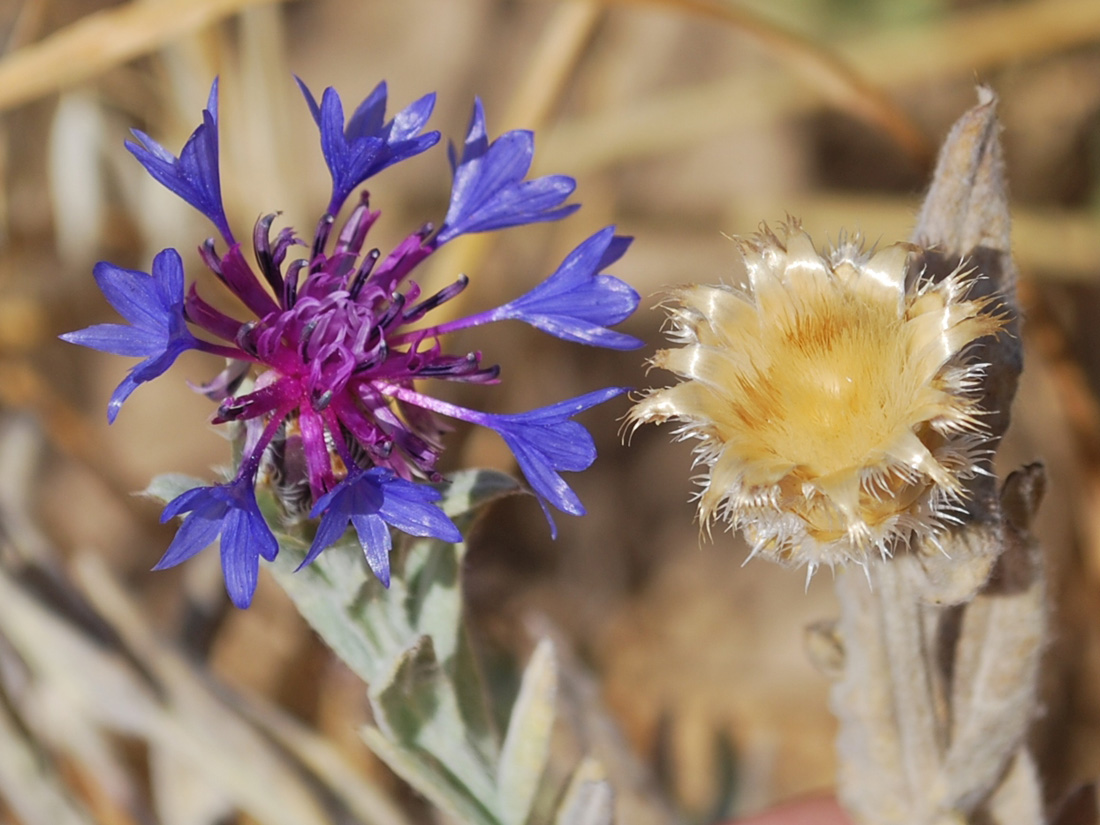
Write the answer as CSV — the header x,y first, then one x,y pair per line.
x,y
326,600
527,744
415,705
469,490
473,699
433,599
425,776
168,486
409,645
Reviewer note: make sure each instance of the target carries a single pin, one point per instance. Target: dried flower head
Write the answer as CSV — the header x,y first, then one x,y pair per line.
x,y
834,402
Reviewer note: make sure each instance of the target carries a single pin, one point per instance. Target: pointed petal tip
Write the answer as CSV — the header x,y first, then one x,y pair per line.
x,y
242,600
212,99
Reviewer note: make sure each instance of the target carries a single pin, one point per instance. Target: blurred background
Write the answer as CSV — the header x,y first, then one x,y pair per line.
x,y
684,122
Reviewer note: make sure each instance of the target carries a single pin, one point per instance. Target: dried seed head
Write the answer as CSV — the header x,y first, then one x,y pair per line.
x,y
835,405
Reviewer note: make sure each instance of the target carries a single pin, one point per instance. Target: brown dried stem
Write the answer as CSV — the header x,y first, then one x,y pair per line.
x,y
818,67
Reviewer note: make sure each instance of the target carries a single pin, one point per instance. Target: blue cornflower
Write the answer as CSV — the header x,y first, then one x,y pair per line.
x,y
545,442
490,191
154,307
368,144
336,342
373,501
231,511
577,303
194,175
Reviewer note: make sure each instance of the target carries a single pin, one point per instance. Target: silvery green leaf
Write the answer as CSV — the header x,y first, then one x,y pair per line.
x,y
433,607
873,783
433,599
167,486
468,490
527,743
371,628
965,218
997,656
328,601
408,644
415,706
425,584
473,699
589,799
424,774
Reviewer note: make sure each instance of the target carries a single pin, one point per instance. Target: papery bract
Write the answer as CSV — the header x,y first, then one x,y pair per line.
x,y
834,403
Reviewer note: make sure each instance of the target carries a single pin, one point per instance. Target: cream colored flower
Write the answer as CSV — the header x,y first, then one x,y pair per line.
x,y
835,404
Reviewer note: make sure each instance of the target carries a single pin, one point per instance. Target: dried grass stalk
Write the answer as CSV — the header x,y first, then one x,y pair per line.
x,y
102,40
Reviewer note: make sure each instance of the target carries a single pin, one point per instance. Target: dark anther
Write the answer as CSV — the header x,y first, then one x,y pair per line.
x,y
244,338
261,242
290,288
466,368
397,303
230,409
210,258
307,334
428,304
319,404
364,271
324,227
374,358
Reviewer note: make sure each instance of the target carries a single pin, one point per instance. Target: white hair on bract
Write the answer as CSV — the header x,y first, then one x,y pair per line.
x,y
833,401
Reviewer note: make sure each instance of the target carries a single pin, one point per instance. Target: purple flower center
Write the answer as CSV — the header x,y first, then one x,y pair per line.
x,y
335,343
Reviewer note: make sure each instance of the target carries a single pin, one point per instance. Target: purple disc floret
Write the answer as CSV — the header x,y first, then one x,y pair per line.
x,y
332,343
